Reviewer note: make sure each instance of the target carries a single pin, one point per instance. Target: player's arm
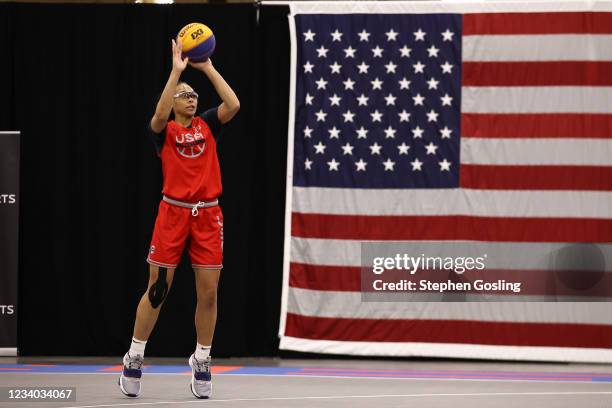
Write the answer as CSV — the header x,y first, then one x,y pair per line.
x,y
164,105
230,105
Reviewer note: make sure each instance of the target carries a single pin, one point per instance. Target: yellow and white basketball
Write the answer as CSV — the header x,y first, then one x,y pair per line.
x,y
198,41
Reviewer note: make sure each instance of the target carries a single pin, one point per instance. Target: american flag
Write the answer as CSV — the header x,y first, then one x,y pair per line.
x,y
443,126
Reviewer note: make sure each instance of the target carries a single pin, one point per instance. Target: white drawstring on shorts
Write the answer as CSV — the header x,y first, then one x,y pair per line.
x,y
194,210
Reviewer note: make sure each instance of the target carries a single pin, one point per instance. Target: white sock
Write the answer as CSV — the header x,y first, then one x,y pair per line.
x,y
137,347
202,352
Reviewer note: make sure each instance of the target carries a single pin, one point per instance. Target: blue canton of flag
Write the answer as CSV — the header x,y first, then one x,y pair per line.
x,y
378,101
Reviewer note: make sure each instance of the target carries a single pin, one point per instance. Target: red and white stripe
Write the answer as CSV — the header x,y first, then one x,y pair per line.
x,y
536,174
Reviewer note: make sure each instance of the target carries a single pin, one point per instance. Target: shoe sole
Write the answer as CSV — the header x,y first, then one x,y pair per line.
x,y
124,391
196,395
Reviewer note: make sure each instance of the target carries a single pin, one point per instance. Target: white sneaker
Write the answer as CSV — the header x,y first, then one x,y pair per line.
x,y
129,381
201,379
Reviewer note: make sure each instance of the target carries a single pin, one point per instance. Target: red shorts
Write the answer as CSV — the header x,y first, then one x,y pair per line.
x,y
176,226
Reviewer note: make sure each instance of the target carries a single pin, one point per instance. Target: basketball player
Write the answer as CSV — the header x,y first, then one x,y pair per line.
x,y
189,213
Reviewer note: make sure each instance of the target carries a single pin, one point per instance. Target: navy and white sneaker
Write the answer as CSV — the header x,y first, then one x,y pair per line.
x,y
129,382
201,379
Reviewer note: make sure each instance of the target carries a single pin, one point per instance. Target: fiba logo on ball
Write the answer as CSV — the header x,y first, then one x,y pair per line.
x,y
198,42
190,145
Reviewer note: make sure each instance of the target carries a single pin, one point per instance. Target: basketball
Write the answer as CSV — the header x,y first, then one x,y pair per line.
x,y
198,42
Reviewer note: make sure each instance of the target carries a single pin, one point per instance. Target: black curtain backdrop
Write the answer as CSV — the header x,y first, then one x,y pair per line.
x,y
81,82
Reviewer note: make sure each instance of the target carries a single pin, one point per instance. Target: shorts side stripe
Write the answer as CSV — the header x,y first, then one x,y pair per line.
x,y
207,266
163,265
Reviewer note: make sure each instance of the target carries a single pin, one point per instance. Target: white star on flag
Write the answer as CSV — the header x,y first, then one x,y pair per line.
x,y
349,52
391,35
336,35
333,165
322,52
432,84
389,164
334,133
307,132
376,84
446,100
308,67
447,68
375,148
447,35
335,100
390,67
377,52
335,68
419,35
390,99
320,148
348,84
308,164
363,68
321,116
362,100
361,165
347,149
309,35
416,165
309,99
348,116
431,148
390,133
403,148
432,116
321,83
376,116
364,35
404,83
404,116
445,132
433,51
419,67
405,51
362,133
418,99
417,133
444,165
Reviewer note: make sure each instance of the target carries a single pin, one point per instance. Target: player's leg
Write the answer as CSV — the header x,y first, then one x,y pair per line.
x,y
207,281
160,281
205,321
206,252
169,236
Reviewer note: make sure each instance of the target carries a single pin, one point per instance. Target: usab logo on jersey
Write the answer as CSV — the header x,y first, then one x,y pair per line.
x,y
190,144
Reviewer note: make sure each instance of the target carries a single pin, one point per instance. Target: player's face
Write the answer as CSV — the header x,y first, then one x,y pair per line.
x,y
185,100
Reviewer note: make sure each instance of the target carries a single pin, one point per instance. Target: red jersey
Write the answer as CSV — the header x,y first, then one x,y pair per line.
x,y
190,166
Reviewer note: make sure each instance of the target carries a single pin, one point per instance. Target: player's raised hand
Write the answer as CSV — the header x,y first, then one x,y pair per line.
x,y
202,66
178,63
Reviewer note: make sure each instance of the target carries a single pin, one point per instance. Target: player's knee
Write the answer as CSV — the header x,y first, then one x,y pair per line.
x,y
207,297
159,289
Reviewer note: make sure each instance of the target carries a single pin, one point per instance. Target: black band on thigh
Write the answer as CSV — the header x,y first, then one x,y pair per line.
x,y
159,290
